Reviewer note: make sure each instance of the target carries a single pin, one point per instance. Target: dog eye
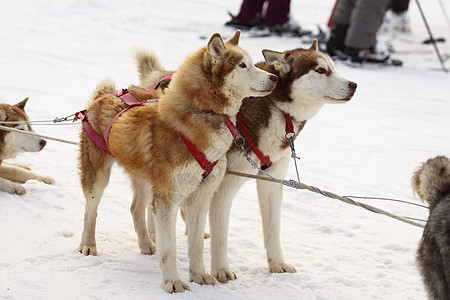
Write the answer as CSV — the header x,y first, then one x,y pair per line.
x,y
321,70
242,65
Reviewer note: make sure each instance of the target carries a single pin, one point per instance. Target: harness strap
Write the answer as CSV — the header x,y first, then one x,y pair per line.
x,y
199,156
168,77
265,161
289,126
126,97
237,137
91,133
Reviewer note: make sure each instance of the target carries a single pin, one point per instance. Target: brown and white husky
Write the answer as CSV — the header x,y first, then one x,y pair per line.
x,y
146,141
307,81
11,144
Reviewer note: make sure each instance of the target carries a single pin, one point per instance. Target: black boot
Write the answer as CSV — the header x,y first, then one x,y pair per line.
x,y
337,38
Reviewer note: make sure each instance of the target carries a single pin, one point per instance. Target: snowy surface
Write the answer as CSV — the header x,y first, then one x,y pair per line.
x,y
55,52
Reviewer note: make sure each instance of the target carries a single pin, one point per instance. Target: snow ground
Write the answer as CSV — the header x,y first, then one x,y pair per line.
x,y
55,52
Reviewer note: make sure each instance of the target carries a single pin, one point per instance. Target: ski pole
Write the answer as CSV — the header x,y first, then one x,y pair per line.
x,y
431,37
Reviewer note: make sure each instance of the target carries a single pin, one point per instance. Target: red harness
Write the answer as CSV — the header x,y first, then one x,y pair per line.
x,y
129,99
125,96
265,161
204,163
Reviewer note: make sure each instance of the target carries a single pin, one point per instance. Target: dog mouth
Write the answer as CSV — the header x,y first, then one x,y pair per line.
x,y
340,99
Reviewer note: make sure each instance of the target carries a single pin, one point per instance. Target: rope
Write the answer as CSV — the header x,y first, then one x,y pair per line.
x,y
387,199
55,121
37,135
289,183
298,185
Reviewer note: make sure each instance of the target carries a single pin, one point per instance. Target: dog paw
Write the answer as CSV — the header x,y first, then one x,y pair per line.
x,y
203,278
88,250
148,248
15,188
223,275
282,268
175,287
45,179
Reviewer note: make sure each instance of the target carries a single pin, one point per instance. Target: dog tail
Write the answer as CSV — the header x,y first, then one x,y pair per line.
x,y
146,62
431,181
105,87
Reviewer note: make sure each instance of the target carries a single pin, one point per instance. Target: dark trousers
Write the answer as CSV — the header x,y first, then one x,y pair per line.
x,y
277,11
399,6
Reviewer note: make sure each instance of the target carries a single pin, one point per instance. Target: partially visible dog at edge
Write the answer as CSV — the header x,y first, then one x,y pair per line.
x,y
11,144
431,183
307,81
204,95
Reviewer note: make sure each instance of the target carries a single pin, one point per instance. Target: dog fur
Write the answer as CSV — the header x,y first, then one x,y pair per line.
x,y
11,144
209,84
431,182
307,81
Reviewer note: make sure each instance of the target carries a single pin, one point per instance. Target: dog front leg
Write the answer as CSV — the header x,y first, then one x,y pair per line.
x,y
165,218
11,187
270,197
22,175
197,205
219,215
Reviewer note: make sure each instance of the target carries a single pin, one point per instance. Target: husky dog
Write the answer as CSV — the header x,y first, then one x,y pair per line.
x,y
11,144
147,141
431,182
307,81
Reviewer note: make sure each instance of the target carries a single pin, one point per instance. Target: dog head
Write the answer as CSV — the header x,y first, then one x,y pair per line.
x,y
309,80
431,181
224,71
12,142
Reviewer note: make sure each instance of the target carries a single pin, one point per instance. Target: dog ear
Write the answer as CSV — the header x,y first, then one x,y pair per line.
x,y
314,45
22,103
216,46
278,60
235,39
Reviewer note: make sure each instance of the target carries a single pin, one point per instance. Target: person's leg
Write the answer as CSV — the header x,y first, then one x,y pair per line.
x,y
277,12
341,21
343,11
400,15
399,6
250,10
365,19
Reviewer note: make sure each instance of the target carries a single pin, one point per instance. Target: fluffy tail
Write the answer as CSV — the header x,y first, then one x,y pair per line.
x,y
146,62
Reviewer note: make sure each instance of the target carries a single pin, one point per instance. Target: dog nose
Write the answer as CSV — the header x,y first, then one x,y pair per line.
x,y
352,85
42,143
273,78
